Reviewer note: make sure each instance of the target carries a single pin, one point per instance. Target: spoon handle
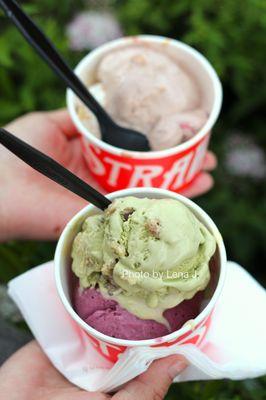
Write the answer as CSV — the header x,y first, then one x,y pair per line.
x,y
53,170
48,52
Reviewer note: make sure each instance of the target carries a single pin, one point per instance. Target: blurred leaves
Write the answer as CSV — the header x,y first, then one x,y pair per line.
x,y
17,257
249,389
238,206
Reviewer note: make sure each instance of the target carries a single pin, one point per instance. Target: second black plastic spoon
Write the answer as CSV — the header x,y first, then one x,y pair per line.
x,y
52,169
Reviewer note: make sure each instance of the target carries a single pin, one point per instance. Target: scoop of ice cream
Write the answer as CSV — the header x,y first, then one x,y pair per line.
x,y
174,129
141,85
146,90
108,317
148,255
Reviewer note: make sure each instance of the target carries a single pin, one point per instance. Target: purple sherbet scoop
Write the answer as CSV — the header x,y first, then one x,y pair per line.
x,y
108,317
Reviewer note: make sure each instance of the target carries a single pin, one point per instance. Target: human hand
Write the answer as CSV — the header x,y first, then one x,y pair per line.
x,y
29,375
31,205
34,207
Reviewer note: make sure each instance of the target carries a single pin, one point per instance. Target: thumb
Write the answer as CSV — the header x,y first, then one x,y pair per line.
x,y
155,382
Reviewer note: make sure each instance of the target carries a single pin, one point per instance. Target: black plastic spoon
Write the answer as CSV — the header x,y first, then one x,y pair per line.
x,y
112,133
52,169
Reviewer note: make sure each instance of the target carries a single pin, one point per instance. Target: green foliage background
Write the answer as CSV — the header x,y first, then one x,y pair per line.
x,y
232,35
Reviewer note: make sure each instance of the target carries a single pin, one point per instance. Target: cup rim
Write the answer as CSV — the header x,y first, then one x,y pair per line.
x,y
185,328
70,97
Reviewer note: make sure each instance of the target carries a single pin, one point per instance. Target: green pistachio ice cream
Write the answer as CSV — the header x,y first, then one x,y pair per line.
x,y
149,255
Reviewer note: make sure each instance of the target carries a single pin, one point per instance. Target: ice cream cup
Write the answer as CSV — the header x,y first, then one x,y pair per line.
x,y
173,168
193,331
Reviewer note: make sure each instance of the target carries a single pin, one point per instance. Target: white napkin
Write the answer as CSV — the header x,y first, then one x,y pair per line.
x,y
235,346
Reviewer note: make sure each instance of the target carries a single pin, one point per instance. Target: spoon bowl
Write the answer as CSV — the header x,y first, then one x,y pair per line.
x,y
125,138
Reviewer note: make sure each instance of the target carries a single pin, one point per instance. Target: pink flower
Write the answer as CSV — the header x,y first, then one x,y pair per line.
x,y
92,29
244,157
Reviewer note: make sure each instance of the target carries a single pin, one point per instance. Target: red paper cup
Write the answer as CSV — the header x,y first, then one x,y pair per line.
x,y
192,332
173,168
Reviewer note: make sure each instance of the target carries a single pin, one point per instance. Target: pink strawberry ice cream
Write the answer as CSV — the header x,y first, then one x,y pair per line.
x,y
147,90
108,317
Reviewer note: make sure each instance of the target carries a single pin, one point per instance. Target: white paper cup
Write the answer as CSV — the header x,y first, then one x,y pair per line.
x,y
191,332
173,168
